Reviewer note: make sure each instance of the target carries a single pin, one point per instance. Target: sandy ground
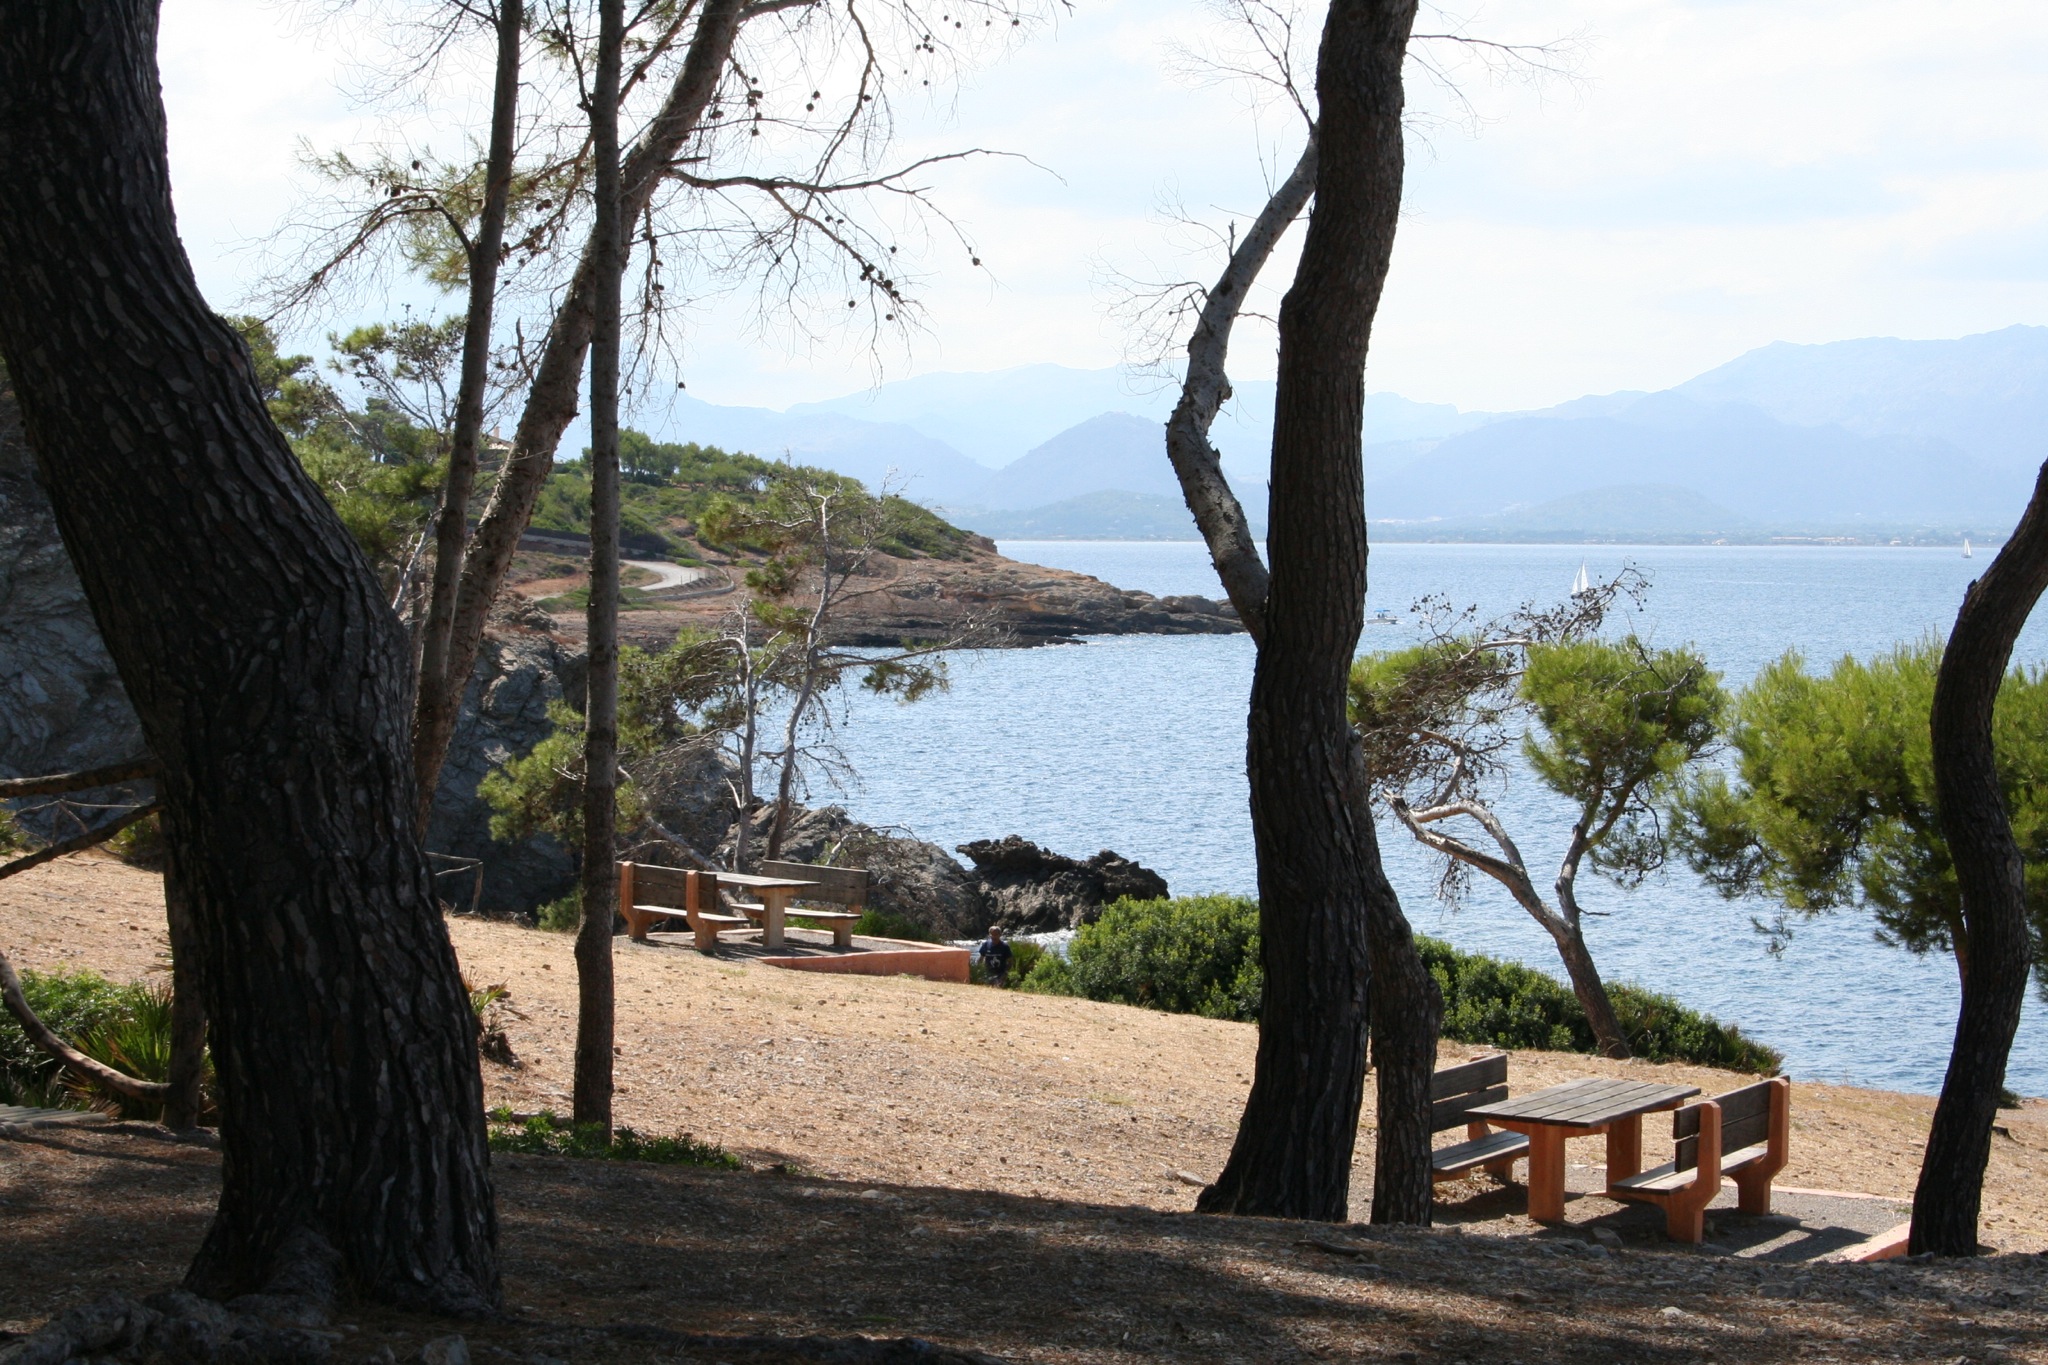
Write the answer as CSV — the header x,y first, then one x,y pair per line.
x,y
1036,1152
904,1080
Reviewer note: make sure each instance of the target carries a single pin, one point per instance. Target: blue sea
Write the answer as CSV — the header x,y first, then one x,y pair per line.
x,y
1137,744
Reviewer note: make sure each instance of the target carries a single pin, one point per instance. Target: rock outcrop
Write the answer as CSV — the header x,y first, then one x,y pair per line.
x,y
62,705
1033,889
521,670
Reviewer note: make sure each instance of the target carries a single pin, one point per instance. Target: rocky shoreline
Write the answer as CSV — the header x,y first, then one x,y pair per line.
x,y
1020,604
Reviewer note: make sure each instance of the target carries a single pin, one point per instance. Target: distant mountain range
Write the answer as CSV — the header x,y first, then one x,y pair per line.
x,y
1874,438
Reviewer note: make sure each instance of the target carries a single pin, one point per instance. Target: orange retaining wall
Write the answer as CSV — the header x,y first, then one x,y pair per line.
x,y
908,959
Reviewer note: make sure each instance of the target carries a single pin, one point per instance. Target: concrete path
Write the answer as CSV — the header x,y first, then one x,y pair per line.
x,y
666,575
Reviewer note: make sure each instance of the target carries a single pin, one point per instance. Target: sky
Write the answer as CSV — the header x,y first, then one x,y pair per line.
x,y
1708,176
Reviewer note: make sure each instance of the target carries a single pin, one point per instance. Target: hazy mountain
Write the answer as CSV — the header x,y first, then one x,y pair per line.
x,y
1985,394
1871,433
997,417
1732,454
1094,516
879,454
1615,512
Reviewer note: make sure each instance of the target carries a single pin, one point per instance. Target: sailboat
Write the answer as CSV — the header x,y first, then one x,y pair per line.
x,y
1581,584
1966,547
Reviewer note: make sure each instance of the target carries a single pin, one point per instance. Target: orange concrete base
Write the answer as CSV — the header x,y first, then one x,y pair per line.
x,y
900,958
1883,1247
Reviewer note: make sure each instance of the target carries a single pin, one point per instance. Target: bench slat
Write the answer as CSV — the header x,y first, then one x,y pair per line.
x,y
839,885
1449,1113
1478,1152
1476,1074
1664,1179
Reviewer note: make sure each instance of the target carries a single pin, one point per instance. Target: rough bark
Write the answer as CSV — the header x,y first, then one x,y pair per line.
x,y
269,679
595,1019
551,401
1407,1012
1991,875
1292,1156
185,1078
451,530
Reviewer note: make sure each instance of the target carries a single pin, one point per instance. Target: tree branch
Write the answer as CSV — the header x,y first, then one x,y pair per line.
x,y
82,780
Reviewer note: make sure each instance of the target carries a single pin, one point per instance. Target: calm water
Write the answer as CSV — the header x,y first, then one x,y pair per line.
x,y
1137,744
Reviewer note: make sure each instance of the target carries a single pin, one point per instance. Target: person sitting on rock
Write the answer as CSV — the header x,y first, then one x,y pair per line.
x,y
994,956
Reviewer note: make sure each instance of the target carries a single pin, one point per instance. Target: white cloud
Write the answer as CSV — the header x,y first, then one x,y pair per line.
x,y
1724,175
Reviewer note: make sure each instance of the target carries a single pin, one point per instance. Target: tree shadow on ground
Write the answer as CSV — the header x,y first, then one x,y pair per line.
x,y
620,1261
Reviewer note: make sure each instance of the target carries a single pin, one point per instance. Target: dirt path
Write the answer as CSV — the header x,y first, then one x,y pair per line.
x,y
913,1082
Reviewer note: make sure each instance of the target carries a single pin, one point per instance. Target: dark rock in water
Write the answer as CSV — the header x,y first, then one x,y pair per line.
x,y
1034,889
62,705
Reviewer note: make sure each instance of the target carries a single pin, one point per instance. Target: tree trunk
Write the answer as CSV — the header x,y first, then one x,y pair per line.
x,y
437,704
1991,875
1407,1012
187,1072
594,999
1292,1156
269,678
1589,988
551,401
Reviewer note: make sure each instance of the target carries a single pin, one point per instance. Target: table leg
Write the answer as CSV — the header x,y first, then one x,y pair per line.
x,y
1624,1148
1546,1174
774,903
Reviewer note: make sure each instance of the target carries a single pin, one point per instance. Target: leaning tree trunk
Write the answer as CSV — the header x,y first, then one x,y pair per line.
x,y
1292,1157
269,678
436,704
595,1017
1591,991
551,401
1992,876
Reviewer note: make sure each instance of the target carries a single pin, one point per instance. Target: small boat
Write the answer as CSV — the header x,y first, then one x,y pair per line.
x,y
1966,547
1382,617
1581,585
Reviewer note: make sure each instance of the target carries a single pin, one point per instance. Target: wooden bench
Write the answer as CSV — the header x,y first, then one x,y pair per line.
x,y
1454,1093
648,893
1743,1134
843,886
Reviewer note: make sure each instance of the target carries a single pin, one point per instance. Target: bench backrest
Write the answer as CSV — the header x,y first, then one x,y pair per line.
x,y
678,888
847,886
1746,1120
1457,1090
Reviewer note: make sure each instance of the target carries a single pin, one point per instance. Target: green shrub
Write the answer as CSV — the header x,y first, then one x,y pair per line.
x,y
127,1027
564,916
1191,955
546,1135
1200,955
1508,1005
882,924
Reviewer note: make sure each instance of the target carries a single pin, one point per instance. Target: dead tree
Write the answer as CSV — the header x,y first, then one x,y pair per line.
x,y
266,671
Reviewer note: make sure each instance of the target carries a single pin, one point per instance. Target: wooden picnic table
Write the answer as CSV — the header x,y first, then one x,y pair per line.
x,y
776,894
1580,1109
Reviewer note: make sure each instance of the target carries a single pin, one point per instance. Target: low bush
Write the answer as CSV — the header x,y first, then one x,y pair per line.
x,y
124,1026
1191,955
562,916
882,924
546,1135
1200,955
1506,1004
